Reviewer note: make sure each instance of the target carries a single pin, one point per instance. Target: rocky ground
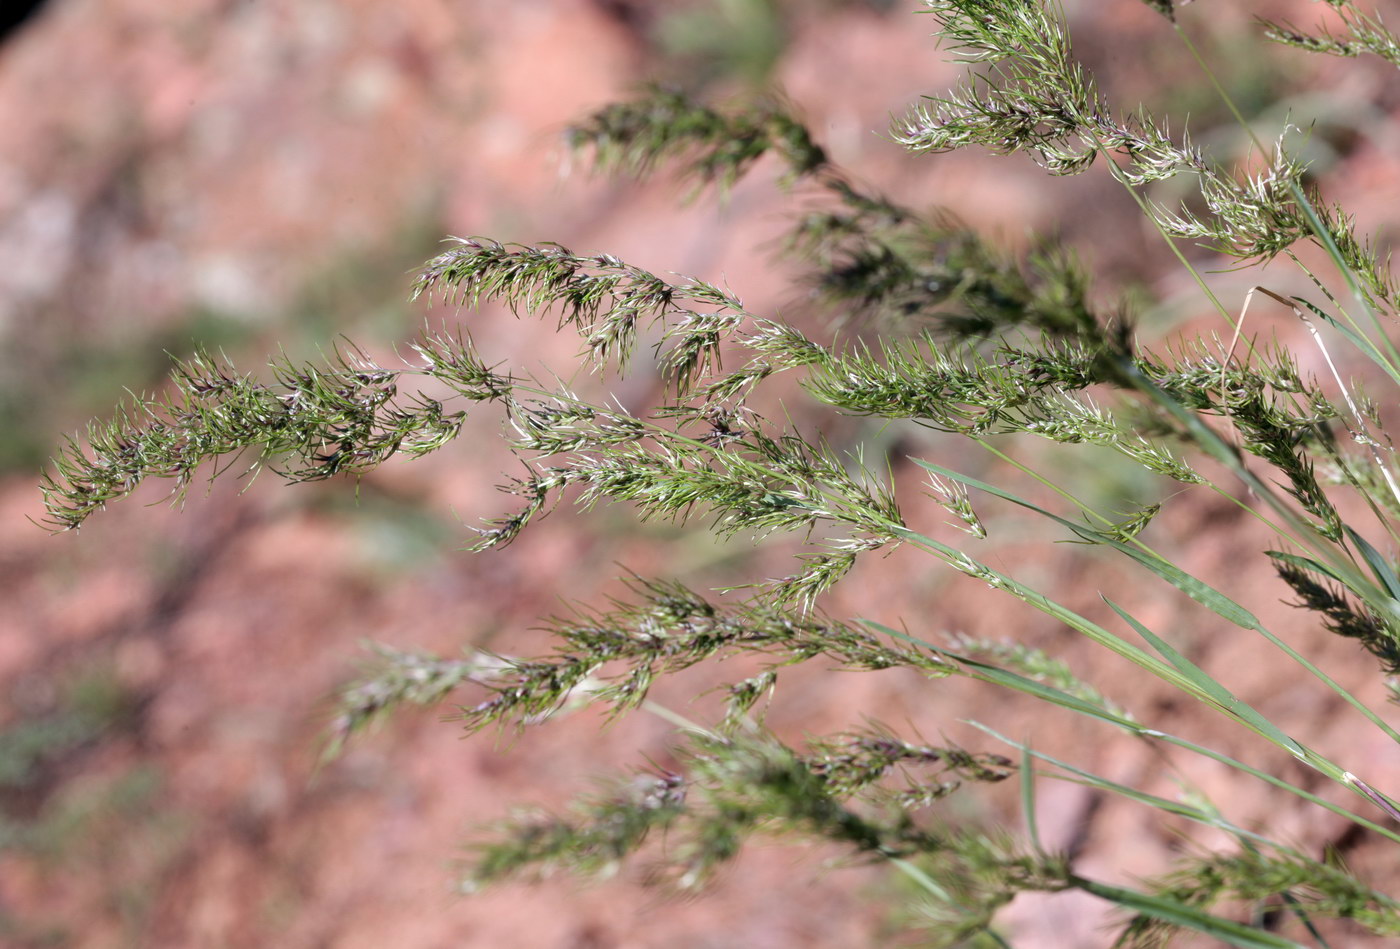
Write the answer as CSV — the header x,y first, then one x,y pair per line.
x,y
248,175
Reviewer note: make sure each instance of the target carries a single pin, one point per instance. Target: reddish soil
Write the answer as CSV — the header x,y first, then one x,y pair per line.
x,y
253,173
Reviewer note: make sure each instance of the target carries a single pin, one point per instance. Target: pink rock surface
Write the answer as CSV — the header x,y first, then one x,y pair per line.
x,y
160,158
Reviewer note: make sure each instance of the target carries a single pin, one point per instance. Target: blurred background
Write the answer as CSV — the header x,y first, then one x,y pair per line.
x,y
256,174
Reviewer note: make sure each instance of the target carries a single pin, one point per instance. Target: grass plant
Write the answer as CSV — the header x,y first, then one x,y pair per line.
x,y
939,328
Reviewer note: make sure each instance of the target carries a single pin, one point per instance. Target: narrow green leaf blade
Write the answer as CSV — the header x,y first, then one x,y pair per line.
x,y
1203,593
1378,564
996,675
1092,780
1177,914
1221,696
1064,614
1353,337
1306,563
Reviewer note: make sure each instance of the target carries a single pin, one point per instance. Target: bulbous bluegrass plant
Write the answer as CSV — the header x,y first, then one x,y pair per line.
x,y
941,329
